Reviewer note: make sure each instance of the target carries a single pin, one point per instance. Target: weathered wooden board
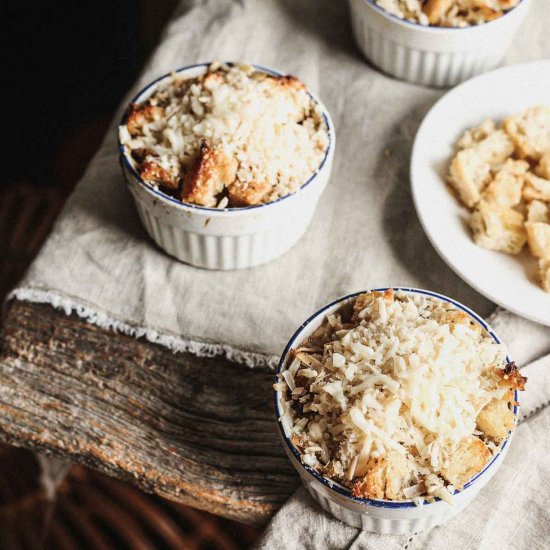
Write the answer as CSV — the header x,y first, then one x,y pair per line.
x,y
197,431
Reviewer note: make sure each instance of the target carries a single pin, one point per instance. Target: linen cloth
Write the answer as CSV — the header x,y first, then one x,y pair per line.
x,y
100,263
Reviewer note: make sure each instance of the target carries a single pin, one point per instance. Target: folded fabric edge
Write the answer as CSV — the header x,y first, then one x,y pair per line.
x,y
174,343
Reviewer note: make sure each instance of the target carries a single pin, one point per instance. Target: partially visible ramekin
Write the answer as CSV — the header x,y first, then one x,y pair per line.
x,y
381,516
432,56
232,238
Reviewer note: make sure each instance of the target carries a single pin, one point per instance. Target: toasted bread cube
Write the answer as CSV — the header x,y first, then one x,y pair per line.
x,y
505,189
213,171
247,194
477,134
469,459
543,167
436,9
544,274
530,131
536,188
511,377
385,477
498,228
373,484
456,317
470,169
154,173
140,114
538,237
537,211
496,419
495,148
398,475
468,175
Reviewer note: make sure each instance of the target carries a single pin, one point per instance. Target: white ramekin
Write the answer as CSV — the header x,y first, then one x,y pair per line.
x,y
231,238
381,516
432,56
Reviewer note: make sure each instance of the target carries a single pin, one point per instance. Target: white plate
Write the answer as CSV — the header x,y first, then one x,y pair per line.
x,y
510,281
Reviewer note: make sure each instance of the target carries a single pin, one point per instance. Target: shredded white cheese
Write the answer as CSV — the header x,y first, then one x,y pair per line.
x,y
407,375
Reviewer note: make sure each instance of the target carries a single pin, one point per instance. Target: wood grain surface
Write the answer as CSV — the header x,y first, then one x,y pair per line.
x,y
197,431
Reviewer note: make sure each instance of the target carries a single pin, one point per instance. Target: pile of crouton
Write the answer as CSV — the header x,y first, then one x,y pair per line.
x,y
502,174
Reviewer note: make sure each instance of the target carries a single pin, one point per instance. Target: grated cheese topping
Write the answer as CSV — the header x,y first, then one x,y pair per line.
x,y
386,399
232,137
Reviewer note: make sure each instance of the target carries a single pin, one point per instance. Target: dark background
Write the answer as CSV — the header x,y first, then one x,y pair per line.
x,y
67,65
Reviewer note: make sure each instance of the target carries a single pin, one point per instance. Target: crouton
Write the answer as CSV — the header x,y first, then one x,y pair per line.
x,y
498,228
470,169
537,211
543,167
510,377
373,484
538,237
495,148
530,131
213,170
436,9
536,188
140,113
247,194
385,478
398,475
363,300
476,134
455,317
154,173
469,459
496,419
505,189
489,14
544,274
468,175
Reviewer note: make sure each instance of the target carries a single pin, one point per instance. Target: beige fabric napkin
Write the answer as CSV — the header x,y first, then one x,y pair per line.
x,y
100,263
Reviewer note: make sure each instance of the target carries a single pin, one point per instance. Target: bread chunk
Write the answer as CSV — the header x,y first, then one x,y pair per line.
x,y
470,169
373,484
506,187
213,170
543,167
536,188
241,194
385,478
510,377
398,475
544,274
498,228
530,131
538,237
496,419
154,173
140,114
537,211
436,9
469,459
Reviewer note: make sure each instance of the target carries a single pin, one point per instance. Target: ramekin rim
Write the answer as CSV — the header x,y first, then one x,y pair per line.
x,y
188,207
435,28
334,486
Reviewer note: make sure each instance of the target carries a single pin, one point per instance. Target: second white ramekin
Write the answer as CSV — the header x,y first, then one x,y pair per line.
x,y
381,516
432,56
231,238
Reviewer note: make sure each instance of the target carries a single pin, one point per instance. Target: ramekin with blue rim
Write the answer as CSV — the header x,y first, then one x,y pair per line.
x,y
431,55
228,238
380,515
